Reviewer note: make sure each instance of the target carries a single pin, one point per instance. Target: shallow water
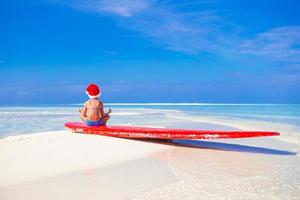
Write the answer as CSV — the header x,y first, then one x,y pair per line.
x,y
284,118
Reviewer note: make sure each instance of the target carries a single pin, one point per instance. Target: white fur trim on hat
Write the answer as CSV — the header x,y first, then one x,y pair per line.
x,y
93,97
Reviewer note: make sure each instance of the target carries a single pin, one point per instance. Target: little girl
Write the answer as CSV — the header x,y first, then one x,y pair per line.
x,y
93,113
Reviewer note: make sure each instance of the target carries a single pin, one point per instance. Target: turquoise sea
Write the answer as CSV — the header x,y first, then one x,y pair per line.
x,y
284,118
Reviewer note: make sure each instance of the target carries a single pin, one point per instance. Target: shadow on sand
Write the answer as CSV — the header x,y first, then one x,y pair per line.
x,y
219,146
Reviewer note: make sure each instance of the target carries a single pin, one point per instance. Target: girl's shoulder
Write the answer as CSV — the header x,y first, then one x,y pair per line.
x,y
88,102
100,103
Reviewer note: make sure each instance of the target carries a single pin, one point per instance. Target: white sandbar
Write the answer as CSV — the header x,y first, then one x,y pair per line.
x,y
36,156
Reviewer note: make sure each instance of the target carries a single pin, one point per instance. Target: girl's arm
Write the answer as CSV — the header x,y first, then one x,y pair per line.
x,y
83,113
102,110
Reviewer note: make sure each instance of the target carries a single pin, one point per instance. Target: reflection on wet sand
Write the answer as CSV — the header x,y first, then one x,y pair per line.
x,y
206,173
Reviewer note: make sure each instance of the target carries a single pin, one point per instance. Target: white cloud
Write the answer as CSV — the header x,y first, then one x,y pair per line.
x,y
281,43
185,32
124,8
191,32
196,32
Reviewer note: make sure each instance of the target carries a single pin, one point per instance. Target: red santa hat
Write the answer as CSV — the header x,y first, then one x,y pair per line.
x,y
93,91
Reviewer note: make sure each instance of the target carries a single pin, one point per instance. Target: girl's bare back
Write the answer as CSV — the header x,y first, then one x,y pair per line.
x,y
92,109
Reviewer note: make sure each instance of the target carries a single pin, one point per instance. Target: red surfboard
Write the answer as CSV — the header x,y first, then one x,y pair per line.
x,y
162,133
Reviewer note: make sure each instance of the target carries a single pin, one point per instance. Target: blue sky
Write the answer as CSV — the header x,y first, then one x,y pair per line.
x,y
150,51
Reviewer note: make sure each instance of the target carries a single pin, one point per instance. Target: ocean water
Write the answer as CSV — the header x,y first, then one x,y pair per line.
x,y
284,118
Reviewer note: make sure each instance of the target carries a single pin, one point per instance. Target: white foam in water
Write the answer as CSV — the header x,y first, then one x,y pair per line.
x,y
125,113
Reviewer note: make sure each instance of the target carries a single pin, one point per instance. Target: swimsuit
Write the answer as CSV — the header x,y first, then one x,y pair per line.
x,y
96,123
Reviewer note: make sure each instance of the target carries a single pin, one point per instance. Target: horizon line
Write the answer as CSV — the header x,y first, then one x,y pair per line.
x,y
152,104
186,104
